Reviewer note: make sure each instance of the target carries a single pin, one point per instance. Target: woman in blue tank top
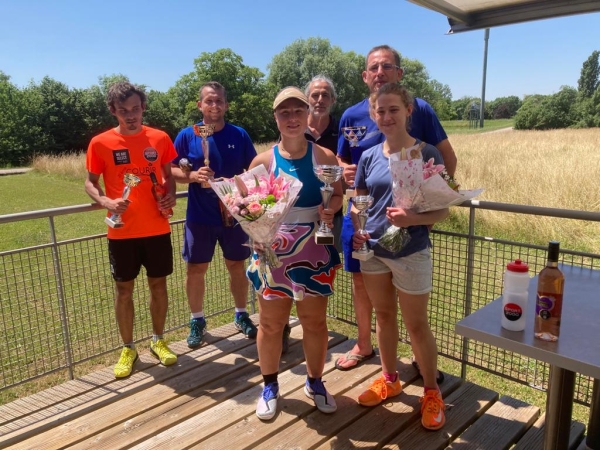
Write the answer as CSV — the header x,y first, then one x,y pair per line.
x,y
307,270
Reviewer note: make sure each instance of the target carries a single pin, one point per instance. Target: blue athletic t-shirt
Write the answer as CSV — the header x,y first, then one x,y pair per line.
x,y
230,153
373,174
424,126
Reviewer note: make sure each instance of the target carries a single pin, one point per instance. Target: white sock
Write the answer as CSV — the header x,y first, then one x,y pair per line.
x,y
240,310
198,315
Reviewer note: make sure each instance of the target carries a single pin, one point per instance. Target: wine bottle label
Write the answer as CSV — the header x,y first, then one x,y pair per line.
x,y
545,304
512,311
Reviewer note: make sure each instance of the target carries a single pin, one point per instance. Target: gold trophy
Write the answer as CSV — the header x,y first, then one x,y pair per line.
x,y
131,181
204,131
353,135
328,175
362,203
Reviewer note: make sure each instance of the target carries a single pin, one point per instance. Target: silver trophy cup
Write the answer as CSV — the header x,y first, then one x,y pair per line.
x,y
362,203
131,181
328,175
353,135
204,131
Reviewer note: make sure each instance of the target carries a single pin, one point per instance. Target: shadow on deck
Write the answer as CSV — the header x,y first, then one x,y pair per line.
x,y
207,401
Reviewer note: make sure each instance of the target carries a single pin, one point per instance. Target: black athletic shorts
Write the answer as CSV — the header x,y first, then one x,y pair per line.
x,y
127,256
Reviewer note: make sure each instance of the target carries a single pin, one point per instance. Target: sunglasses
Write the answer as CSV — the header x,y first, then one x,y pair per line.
x,y
385,66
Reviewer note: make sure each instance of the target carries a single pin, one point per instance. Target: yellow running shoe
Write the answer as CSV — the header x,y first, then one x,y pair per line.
x,y
163,353
379,391
124,367
432,410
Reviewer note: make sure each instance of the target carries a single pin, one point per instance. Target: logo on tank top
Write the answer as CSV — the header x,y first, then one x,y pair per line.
x,y
150,154
121,157
230,145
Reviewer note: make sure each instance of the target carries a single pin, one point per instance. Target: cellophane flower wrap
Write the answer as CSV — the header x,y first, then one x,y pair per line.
x,y
259,201
419,186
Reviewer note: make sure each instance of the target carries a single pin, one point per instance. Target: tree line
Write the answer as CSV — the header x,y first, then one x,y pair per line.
x,y
50,118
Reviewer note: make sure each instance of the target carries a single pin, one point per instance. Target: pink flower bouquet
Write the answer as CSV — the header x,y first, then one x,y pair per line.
x,y
419,186
259,201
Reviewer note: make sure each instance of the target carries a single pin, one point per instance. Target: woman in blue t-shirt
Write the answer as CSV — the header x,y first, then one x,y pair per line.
x,y
407,274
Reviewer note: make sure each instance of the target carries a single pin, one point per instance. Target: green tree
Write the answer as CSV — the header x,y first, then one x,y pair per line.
x,y
300,61
590,76
249,95
544,112
19,134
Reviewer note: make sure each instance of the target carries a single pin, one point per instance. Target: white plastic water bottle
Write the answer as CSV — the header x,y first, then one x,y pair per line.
x,y
514,295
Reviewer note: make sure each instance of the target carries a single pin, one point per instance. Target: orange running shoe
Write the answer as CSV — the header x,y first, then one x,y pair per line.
x,y
432,410
379,391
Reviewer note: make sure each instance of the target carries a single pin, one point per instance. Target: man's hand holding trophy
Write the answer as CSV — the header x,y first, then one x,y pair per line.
x,y
114,220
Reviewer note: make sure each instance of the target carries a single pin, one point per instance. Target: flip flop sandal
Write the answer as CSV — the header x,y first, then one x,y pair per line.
x,y
354,357
440,377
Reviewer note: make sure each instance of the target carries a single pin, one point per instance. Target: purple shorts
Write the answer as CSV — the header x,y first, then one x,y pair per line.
x,y
200,241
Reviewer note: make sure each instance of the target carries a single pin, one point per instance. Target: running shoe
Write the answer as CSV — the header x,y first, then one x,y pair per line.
x,y
163,353
379,391
126,361
266,407
432,410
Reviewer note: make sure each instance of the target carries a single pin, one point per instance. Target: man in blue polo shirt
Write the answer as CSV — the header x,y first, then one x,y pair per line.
x,y
230,153
382,66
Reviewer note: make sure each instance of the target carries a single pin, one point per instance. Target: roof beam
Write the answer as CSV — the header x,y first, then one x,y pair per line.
x,y
448,9
461,21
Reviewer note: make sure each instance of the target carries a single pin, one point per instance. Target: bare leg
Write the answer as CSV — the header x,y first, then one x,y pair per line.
x,y
414,313
274,315
363,310
124,309
195,286
312,315
238,283
383,293
159,302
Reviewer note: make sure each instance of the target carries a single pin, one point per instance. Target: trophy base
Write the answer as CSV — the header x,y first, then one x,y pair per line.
x,y
350,193
111,223
363,256
324,239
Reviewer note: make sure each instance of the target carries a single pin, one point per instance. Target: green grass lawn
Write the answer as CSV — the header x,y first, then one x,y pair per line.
x,y
462,126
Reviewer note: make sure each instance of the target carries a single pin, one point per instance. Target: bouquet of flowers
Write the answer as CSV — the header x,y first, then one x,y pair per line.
x,y
259,201
419,186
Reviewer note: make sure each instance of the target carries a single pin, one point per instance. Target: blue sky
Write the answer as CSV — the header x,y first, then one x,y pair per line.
x,y
155,42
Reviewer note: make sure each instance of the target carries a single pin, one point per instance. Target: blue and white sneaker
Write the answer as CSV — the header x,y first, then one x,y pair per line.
x,y
324,401
267,403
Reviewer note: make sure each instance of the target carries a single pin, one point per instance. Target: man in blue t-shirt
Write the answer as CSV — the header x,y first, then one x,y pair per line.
x,y
207,222
382,66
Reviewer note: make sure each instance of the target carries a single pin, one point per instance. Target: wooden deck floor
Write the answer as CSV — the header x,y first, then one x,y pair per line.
x,y
207,401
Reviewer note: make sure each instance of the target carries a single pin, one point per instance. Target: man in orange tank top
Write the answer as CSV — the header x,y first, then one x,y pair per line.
x,y
142,236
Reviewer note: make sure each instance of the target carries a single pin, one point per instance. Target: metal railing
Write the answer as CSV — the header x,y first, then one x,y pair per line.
x,y
57,311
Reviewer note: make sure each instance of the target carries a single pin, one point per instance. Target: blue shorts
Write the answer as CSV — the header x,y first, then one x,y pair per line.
x,y
350,264
200,241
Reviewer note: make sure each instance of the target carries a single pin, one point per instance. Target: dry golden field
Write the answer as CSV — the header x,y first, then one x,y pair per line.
x,y
555,169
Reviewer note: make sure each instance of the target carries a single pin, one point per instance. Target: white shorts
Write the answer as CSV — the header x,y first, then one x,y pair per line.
x,y
412,274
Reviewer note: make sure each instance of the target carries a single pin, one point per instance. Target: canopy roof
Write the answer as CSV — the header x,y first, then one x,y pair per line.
x,y
467,15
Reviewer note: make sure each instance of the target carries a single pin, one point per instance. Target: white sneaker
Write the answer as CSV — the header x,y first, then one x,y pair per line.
x,y
266,407
324,401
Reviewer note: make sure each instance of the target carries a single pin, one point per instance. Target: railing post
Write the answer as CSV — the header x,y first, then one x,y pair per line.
x,y
61,298
469,287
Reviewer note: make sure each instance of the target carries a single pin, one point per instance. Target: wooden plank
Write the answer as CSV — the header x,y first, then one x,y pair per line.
x,y
143,426
463,407
534,438
242,407
36,403
70,409
296,413
380,423
503,424
316,428
101,418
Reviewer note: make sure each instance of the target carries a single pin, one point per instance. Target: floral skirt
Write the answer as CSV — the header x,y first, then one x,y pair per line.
x,y
304,268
